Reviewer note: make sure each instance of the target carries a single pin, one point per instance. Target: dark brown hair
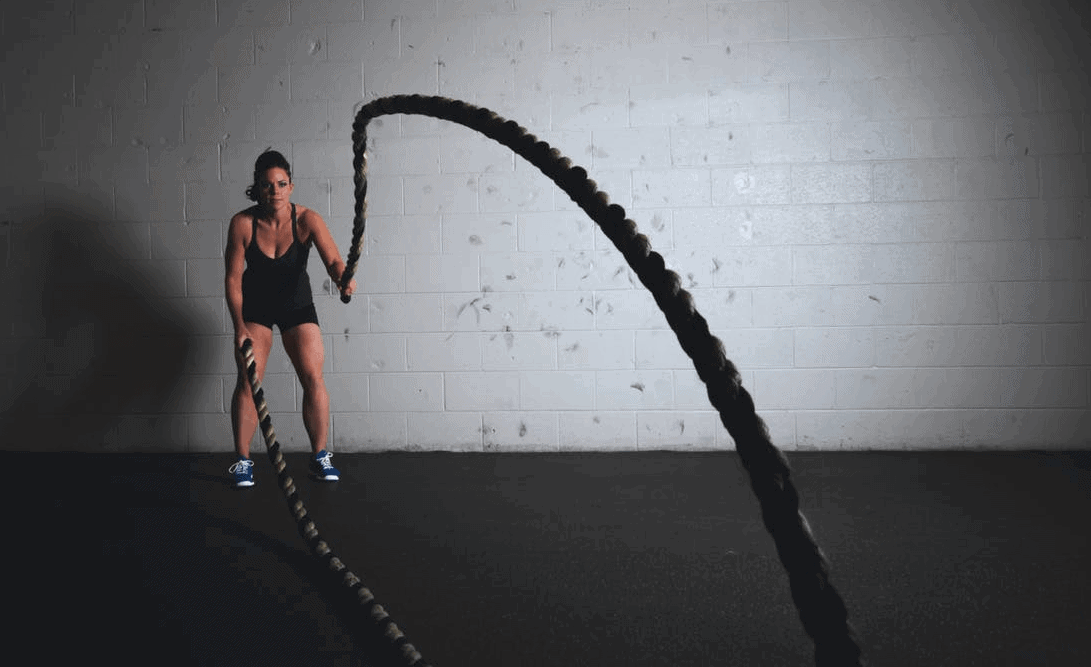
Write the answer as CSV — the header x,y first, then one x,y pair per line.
x,y
267,160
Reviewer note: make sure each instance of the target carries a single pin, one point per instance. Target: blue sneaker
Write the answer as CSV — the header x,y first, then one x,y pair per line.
x,y
243,471
322,467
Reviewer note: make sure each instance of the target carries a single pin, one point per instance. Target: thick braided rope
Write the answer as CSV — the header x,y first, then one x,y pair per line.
x,y
355,588
820,607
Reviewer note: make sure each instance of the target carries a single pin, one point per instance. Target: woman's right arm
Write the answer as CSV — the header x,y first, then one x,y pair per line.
x,y
235,263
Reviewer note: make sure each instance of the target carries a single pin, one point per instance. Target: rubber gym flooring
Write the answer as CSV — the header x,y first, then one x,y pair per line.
x,y
546,559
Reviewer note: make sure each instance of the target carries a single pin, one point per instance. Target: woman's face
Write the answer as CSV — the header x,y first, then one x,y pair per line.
x,y
274,188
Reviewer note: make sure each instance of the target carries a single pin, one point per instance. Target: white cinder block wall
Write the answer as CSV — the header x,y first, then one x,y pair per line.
x,y
880,207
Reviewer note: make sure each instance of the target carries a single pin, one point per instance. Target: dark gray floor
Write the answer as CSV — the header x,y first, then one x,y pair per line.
x,y
634,559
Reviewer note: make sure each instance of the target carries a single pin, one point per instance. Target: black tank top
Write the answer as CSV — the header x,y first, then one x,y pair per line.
x,y
277,283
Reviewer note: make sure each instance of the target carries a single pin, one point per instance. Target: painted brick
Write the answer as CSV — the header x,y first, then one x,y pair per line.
x,y
482,391
711,146
289,44
1025,429
595,109
518,350
477,233
831,183
834,348
517,272
870,58
794,142
252,12
518,33
1040,134
658,350
1066,260
520,432
637,66
460,153
899,388
576,29
663,25
355,42
405,313
888,140
747,22
1064,176
567,70
959,346
414,71
627,310
998,260
369,431
445,431
369,353
468,76
634,390
556,390
246,84
412,392
554,231
788,61
916,97
711,64
755,185
553,313
670,105
322,12
793,389
410,234
403,156
879,429
990,178
186,162
954,137
748,102
596,350
1063,91
834,100
792,306
441,273
1053,302
348,393
687,431
604,431
737,268
689,187
630,148
482,311
444,352
724,308
518,191
837,19
595,270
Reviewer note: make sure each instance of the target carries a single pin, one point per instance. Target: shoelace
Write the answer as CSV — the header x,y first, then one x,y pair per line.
x,y
325,461
239,465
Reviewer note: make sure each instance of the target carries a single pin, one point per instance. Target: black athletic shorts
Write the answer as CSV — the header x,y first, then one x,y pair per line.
x,y
282,317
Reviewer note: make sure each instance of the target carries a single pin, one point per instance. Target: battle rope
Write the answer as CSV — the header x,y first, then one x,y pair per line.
x,y
820,606
361,595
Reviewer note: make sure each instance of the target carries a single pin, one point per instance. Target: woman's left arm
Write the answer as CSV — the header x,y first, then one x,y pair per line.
x,y
327,249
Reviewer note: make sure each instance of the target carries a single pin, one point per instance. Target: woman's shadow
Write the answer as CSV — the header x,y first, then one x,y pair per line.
x,y
96,351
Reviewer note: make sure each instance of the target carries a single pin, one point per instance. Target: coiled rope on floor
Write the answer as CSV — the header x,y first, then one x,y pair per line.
x,y
821,608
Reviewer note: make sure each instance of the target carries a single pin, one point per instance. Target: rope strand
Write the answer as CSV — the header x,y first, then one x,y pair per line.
x,y
821,608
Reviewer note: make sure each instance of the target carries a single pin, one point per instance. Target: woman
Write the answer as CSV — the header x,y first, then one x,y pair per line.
x,y
273,239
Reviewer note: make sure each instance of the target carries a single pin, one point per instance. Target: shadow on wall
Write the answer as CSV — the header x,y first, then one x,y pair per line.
x,y
97,352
